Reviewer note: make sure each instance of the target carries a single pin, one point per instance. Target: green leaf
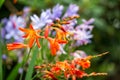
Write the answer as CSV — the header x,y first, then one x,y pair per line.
x,y
31,65
0,62
1,2
14,72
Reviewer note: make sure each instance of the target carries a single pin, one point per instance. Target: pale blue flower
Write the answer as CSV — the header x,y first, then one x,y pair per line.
x,y
4,56
57,12
44,19
72,10
82,33
12,28
79,54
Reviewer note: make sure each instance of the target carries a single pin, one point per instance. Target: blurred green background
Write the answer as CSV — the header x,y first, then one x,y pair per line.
x,y
106,29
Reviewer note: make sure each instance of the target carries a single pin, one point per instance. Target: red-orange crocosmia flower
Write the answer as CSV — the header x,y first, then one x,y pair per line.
x,y
55,45
32,35
84,63
15,45
56,70
60,33
50,75
47,31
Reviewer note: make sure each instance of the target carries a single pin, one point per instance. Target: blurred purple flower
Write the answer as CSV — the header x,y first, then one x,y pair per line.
x,y
4,21
90,21
86,25
72,10
79,54
3,33
42,21
26,11
70,27
56,12
4,56
20,71
12,27
82,33
81,37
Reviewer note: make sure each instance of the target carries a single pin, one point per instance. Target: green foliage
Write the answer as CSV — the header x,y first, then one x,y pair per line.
x,y
31,65
1,2
1,61
14,72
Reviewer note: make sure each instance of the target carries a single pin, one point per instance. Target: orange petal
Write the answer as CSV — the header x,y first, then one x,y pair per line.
x,y
25,36
46,31
38,44
31,27
31,41
15,46
23,30
62,41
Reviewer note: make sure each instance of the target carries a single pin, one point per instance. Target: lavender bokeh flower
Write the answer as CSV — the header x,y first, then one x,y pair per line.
x,y
4,56
11,25
72,10
12,28
82,32
79,54
26,11
57,12
42,21
82,37
20,71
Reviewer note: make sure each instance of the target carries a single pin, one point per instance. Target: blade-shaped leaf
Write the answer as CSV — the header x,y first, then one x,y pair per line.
x,y
31,65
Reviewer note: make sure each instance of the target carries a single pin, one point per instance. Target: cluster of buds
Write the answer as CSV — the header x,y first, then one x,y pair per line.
x,y
70,69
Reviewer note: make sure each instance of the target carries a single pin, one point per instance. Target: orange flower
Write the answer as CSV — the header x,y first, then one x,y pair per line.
x,y
49,75
32,35
63,65
56,70
55,45
60,33
15,45
83,62
47,31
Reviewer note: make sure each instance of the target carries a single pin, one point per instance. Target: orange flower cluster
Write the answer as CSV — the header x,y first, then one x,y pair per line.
x,y
71,69
33,36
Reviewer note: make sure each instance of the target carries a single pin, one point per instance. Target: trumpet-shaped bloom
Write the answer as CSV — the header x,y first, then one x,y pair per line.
x,y
55,45
61,33
15,45
32,35
84,63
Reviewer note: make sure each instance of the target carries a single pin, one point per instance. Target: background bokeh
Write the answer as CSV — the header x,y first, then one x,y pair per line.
x,y
106,32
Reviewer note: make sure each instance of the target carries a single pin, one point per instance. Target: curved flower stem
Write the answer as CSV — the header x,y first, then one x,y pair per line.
x,y
24,61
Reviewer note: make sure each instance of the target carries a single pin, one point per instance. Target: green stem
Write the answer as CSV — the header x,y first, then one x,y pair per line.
x,y
0,63
24,61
